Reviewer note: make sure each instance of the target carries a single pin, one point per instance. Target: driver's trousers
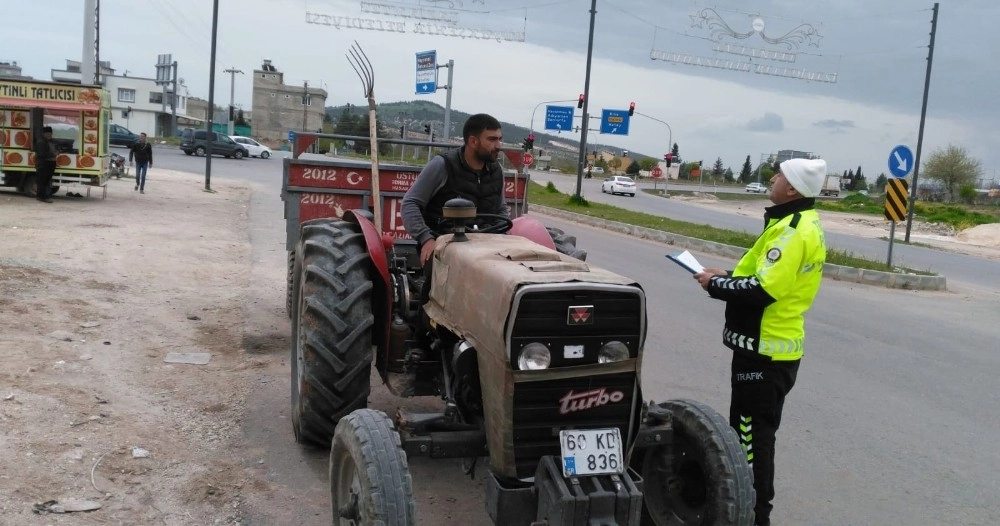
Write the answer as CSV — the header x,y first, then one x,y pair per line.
x,y
759,389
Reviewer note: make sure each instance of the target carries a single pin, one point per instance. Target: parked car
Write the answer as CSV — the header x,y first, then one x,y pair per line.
x,y
756,188
121,136
199,142
255,148
618,184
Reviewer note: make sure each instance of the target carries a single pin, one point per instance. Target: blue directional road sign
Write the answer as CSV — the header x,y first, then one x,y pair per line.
x,y
614,122
291,136
900,161
559,118
426,72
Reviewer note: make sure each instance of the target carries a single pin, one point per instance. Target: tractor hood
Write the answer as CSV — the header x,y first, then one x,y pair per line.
x,y
474,283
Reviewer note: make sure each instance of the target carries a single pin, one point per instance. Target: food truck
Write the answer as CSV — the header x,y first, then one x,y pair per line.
x,y
78,115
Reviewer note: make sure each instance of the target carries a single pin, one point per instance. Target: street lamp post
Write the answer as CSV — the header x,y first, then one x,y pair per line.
x,y
670,145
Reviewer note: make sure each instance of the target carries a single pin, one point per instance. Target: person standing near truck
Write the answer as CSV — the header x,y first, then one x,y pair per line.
x,y
471,172
766,296
142,152
45,165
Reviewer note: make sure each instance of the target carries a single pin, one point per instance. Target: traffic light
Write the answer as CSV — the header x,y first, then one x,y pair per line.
x,y
530,141
631,108
699,164
524,144
427,129
232,113
402,131
579,103
668,158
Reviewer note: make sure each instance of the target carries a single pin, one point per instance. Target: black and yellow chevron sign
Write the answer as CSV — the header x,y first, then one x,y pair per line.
x,y
896,194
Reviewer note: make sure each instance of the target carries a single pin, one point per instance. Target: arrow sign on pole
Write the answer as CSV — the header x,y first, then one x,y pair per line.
x,y
900,161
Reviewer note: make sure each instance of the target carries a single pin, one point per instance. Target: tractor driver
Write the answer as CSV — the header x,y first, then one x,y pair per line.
x,y
470,172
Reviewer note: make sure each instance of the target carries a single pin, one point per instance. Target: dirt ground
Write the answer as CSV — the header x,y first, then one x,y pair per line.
x,y
95,296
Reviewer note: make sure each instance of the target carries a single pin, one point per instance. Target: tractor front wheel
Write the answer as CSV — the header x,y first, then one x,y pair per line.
x,y
331,328
370,481
702,477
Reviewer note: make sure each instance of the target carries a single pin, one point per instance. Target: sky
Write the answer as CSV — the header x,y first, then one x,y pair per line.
x,y
877,49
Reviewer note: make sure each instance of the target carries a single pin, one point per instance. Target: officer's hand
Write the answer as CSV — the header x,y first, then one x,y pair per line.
x,y
426,251
705,276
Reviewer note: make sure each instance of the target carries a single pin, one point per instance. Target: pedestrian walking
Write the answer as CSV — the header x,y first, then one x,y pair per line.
x,y
142,153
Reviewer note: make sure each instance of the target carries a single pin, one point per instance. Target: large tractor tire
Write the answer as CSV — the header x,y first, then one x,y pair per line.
x,y
331,328
370,481
702,477
566,244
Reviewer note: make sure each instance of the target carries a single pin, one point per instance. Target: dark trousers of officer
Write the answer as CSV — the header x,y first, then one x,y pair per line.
x,y
759,389
43,179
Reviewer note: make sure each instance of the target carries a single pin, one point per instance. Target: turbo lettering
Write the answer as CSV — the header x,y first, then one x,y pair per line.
x,y
572,402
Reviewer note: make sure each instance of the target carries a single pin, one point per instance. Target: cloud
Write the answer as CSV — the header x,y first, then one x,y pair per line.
x,y
834,125
770,122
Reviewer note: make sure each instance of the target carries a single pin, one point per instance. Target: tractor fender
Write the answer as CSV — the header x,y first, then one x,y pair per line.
x,y
532,229
381,306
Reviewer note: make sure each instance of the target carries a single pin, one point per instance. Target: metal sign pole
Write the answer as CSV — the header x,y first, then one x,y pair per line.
x,y
892,237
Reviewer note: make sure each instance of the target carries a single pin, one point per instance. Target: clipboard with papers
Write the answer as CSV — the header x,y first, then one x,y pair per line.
x,y
686,260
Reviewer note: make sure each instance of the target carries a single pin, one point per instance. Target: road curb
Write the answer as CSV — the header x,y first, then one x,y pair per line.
x,y
892,280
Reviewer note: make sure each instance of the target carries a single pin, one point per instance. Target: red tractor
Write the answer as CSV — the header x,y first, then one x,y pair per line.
x,y
534,354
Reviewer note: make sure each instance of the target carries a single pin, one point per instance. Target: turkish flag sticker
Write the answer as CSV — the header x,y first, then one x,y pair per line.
x,y
580,315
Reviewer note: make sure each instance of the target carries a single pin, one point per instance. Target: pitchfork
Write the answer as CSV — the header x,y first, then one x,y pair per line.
x,y
363,67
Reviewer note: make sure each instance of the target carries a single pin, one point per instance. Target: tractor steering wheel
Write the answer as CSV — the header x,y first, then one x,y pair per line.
x,y
498,224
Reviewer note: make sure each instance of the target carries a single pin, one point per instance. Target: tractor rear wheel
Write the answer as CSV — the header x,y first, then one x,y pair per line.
x,y
566,244
331,328
702,477
370,481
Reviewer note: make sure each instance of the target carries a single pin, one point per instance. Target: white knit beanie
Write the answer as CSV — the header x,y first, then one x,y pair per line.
x,y
805,175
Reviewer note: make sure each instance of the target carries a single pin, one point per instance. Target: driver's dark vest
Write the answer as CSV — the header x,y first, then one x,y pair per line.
x,y
484,189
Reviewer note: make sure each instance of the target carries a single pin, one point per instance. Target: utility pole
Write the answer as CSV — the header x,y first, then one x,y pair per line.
x,y
447,99
586,103
89,75
211,96
305,113
232,95
173,103
923,116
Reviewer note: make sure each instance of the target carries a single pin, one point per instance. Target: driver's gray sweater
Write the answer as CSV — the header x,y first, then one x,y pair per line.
x,y
430,181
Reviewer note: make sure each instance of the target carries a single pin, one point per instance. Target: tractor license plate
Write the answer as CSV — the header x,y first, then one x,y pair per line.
x,y
591,452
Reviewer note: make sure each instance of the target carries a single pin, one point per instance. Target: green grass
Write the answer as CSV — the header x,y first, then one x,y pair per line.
x,y
957,216
548,196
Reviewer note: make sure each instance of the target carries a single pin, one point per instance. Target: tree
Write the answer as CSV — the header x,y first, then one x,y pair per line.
x,y
766,173
615,163
240,120
633,168
717,169
675,151
880,182
728,174
746,173
648,163
952,167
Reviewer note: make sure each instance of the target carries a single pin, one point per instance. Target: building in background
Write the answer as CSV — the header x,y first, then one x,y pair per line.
x,y
9,69
138,104
279,108
71,74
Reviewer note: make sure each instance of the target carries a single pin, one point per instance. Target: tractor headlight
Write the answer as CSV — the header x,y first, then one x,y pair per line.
x,y
613,352
534,356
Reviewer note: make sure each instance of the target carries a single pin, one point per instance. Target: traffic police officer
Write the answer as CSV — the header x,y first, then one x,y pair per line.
x,y
766,296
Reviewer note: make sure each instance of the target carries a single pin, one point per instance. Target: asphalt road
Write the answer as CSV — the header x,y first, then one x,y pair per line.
x,y
956,267
891,421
